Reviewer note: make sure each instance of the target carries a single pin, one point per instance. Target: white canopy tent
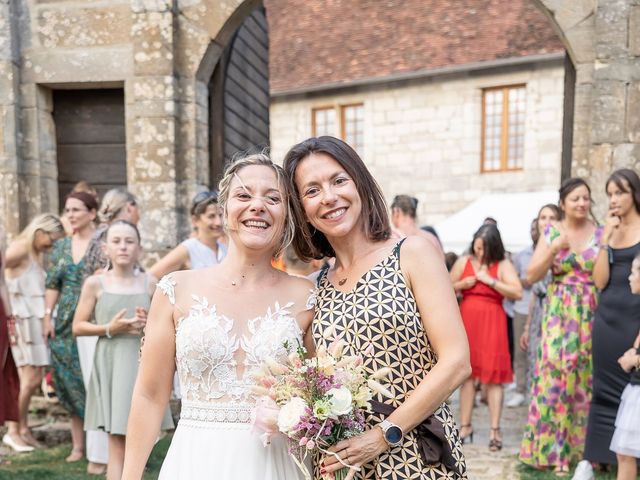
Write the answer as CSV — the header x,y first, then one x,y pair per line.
x,y
513,211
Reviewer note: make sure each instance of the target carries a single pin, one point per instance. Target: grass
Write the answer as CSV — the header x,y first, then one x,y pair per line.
x,y
49,464
528,473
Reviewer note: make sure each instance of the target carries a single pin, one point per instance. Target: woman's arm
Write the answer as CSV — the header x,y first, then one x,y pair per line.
x,y
601,267
16,254
524,338
173,261
427,278
456,273
153,386
507,283
543,256
82,324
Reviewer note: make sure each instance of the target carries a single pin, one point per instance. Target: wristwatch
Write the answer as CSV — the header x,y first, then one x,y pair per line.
x,y
393,434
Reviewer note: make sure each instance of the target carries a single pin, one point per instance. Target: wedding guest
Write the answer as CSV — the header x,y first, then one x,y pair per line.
x,y
203,250
626,436
9,380
64,279
390,301
403,218
117,204
25,282
555,431
617,317
218,325
450,259
520,313
484,278
529,341
119,299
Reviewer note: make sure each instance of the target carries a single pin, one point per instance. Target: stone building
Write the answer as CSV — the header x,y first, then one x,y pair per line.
x,y
444,101
158,93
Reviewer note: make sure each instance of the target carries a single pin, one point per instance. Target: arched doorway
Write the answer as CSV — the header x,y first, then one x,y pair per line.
x,y
239,94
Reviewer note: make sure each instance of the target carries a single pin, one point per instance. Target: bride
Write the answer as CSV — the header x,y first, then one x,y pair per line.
x,y
217,325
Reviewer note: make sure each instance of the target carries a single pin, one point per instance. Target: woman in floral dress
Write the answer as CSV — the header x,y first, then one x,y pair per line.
x,y
63,283
555,432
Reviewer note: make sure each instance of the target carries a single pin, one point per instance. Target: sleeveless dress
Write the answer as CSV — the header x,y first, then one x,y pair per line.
x,y
201,256
115,367
214,438
486,324
616,324
554,434
381,313
9,380
26,294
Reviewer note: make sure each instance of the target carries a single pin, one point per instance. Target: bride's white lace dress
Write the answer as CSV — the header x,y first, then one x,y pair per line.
x,y
216,358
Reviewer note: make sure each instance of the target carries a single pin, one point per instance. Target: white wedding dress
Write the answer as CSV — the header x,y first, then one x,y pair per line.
x,y
216,358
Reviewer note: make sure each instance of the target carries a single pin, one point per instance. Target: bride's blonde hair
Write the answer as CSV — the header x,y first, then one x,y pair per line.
x,y
261,159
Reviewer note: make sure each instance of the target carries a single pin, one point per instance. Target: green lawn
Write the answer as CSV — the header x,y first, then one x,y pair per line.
x,y
50,465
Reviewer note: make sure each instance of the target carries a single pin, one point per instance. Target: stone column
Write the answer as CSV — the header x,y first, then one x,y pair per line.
x,y
151,125
9,122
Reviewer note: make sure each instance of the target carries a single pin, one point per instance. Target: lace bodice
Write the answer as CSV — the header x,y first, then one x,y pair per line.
x,y
217,357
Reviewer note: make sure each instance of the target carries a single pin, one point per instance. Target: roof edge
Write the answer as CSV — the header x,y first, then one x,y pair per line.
x,y
425,73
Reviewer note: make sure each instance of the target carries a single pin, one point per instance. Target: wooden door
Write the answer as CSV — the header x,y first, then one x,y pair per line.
x,y
90,135
239,94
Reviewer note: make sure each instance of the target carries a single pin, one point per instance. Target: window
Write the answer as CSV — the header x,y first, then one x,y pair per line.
x,y
353,126
343,121
324,121
503,120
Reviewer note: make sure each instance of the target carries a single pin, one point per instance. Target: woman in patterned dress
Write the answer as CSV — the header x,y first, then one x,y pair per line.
x,y
63,283
554,435
391,302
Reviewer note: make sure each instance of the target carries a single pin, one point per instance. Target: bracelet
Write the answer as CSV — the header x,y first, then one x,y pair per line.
x,y
106,332
47,312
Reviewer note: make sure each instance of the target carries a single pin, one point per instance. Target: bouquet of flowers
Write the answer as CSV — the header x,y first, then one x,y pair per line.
x,y
315,402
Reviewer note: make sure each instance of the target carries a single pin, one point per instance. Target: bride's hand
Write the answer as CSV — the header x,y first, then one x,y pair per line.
x,y
356,451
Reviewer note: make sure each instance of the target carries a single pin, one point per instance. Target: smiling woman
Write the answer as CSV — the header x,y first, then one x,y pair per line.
x,y
205,247
218,326
393,310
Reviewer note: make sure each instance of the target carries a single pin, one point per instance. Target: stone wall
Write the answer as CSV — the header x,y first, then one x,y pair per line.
x,y
424,139
603,40
163,53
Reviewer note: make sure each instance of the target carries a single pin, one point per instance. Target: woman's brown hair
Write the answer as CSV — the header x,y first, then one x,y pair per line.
x,y
311,243
628,176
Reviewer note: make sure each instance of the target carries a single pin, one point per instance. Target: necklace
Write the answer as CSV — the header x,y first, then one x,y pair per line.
x,y
234,282
342,281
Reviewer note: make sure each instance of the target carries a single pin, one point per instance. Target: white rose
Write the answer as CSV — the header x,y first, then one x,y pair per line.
x,y
340,399
290,414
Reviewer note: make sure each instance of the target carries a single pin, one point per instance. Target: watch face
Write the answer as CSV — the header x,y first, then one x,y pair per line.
x,y
393,435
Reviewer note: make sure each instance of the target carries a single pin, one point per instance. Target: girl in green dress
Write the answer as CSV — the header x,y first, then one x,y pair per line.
x,y
119,299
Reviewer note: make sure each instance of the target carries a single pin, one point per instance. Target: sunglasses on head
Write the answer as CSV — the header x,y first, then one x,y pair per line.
x,y
204,196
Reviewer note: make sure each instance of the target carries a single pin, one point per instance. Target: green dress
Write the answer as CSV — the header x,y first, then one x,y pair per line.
x,y
66,276
115,367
